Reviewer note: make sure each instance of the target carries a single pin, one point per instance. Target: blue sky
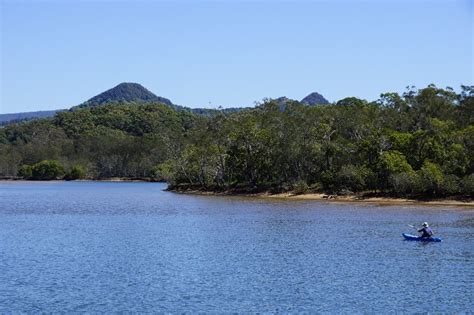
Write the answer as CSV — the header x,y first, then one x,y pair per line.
x,y
57,54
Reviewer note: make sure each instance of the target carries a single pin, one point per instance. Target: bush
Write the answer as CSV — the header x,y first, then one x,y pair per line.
x,y
25,172
352,178
468,185
155,172
403,183
76,172
327,179
390,165
300,187
47,170
394,162
450,185
430,178
163,171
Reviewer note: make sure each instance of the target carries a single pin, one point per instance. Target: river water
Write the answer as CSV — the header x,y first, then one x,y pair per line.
x,y
112,247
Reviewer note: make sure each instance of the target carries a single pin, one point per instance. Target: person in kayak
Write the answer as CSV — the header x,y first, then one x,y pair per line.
x,y
426,231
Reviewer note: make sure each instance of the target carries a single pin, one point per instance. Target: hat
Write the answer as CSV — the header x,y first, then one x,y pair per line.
x,y
425,224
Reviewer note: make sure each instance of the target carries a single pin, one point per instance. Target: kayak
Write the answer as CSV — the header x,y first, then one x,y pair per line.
x,y
410,237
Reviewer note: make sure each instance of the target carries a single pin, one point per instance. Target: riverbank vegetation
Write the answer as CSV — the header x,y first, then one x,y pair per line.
x,y
420,143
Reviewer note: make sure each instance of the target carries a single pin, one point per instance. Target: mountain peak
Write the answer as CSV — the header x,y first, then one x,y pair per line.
x,y
314,99
125,92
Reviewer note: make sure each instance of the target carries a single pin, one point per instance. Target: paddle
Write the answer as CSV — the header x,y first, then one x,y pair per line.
x,y
412,226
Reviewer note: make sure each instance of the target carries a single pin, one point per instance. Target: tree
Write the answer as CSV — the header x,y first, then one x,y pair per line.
x,y
430,102
468,185
404,184
451,185
25,171
47,170
465,110
391,163
431,178
352,178
76,172
421,142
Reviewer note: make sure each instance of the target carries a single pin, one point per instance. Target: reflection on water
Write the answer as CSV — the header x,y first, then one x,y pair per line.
x,y
95,247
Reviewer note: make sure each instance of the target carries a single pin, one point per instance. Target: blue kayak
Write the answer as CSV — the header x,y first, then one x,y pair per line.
x,y
410,237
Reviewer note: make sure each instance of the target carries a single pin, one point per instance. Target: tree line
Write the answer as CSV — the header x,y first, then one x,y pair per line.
x,y
420,143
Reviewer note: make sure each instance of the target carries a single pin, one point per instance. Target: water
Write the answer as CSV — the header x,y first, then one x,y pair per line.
x,y
96,247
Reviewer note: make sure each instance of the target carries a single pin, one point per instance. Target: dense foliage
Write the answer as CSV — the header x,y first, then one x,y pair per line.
x,y
418,143
124,140
44,170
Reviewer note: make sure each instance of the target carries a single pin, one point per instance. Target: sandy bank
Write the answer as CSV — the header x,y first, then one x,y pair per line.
x,y
377,200
344,199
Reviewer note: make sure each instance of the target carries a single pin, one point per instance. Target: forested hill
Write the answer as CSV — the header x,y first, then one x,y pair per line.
x,y
19,117
125,92
134,92
314,99
420,143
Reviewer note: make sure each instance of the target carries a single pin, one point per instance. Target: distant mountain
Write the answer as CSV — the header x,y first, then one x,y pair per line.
x,y
314,99
310,100
18,117
134,92
125,92
283,100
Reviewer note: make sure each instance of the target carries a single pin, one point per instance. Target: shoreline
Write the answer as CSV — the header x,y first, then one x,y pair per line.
x,y
337,199
354,198
111,179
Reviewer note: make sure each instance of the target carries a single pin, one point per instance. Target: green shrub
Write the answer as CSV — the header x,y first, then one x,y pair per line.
x,y
76,172
300,187
47,170
25,171
352,178
394,162
327,179
403,183
450,185
390,165
430,178
468,185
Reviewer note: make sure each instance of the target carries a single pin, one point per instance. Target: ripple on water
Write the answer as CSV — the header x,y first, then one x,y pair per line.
x,y
97,247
